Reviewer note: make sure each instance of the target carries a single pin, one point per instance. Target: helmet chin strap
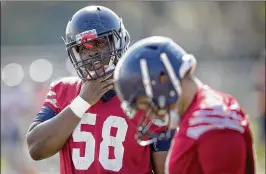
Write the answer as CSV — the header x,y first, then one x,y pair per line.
x,y
147,142
171,122
153,137
111,65
108,70
144,137
142,132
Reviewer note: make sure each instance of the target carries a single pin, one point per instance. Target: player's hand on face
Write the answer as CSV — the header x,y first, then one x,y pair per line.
x,y
92,90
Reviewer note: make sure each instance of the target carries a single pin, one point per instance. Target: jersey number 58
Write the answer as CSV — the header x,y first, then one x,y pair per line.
x,y
83,163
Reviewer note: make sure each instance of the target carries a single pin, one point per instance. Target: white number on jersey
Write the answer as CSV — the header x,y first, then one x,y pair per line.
x,y
83,163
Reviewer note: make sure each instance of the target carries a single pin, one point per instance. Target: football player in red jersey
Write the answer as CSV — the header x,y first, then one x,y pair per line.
x,y
81,117
213,133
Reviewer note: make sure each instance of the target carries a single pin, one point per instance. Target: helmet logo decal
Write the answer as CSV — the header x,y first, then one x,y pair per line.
x,y
86,36
80,35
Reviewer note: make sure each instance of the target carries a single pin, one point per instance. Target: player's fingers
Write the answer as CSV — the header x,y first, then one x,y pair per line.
x,y
105,77
106,89
107,83
91,76
89,83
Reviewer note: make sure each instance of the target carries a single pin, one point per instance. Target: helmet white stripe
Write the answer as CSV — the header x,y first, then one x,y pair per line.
x,y
171,72
146,77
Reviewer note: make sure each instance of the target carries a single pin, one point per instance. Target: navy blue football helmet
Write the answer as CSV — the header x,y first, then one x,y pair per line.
x,y
94,23
147,77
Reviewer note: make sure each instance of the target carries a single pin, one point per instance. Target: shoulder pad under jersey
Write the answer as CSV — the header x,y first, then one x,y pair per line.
x,y
59,88
216,111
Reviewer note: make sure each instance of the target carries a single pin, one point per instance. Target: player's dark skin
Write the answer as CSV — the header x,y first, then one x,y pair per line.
x,y
46,138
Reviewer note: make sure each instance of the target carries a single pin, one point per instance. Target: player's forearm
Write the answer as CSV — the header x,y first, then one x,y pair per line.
x,y
47,138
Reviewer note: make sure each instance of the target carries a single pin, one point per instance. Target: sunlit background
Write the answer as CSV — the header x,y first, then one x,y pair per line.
x,y
227,38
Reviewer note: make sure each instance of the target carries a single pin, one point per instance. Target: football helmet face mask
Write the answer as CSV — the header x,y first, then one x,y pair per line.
x,y
148,78
95,39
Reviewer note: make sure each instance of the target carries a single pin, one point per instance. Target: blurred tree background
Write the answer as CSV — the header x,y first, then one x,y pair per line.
x,y
227,38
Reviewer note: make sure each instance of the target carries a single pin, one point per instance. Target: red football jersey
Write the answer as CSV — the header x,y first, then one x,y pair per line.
x,y
103,142
213,138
